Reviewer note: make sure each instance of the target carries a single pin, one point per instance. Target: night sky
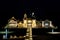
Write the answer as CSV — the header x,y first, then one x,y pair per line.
x,y
42,9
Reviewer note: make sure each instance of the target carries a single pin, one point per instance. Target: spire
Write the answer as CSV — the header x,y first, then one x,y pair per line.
x,y
13,18
25,16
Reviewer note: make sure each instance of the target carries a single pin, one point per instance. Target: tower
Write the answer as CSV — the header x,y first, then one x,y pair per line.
x,y
25,20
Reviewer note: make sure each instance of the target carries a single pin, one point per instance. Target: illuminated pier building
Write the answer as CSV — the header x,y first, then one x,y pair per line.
x,y
12,23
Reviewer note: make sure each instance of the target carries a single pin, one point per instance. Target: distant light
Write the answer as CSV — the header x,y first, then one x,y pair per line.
x,y
6,33
32,13
53,32
29,24
4,36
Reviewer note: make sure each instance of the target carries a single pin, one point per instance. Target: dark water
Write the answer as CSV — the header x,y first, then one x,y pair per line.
x,y
38,34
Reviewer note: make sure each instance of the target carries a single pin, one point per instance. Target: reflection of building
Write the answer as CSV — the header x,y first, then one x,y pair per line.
x,y
12,23
29,30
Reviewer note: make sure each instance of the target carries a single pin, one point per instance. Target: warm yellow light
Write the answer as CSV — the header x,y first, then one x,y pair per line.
x,y
11,36
25,21
12,23
25,25
33,23
29,21
15,36
29,24
20,24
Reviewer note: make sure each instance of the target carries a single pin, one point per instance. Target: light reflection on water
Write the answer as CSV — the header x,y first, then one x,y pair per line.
x,y
41,36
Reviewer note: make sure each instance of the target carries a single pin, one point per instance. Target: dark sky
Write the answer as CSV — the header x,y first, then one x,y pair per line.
x,y
42,9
